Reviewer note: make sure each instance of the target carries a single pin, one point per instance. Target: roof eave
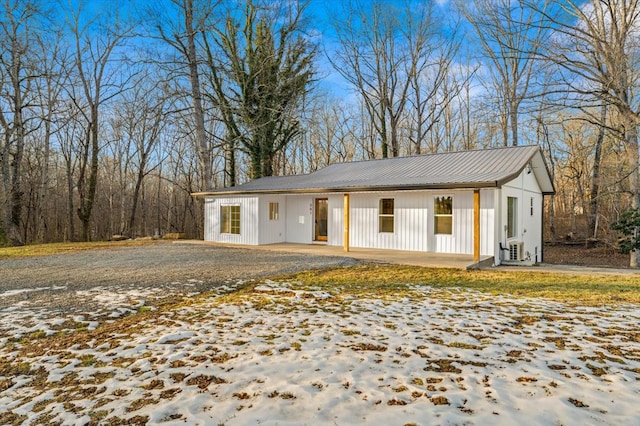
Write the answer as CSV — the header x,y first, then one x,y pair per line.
x,y
377,188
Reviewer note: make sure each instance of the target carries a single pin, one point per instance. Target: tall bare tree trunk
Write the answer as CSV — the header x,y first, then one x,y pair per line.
x,y
204,152
70,228
87,199
41,217
631,136
595,178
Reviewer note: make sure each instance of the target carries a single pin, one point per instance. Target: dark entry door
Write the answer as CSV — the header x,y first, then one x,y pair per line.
x,y
322,214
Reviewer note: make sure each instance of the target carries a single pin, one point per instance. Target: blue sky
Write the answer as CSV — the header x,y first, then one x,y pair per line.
x,y
319,12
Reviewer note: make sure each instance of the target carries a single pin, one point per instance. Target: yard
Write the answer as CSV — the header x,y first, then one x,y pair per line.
x,y
203,335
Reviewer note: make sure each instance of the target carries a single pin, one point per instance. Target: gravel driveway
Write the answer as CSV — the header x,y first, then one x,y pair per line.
x,y
76,290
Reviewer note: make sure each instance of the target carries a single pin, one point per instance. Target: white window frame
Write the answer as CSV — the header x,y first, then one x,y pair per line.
x,y
383,217
437,215
274,210
512,219
233,227
531,206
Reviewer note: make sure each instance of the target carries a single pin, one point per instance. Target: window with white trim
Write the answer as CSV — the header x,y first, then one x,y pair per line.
x,y
230,220
512,216
443,215
531,206
274,211
385,215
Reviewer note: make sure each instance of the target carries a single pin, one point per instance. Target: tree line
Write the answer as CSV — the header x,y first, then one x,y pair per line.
x,y
112,115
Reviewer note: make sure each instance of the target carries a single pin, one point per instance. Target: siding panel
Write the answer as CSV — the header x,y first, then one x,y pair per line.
x,y
461,239
410,221
487,221
272,231
524,188
336,220
299,209
248,220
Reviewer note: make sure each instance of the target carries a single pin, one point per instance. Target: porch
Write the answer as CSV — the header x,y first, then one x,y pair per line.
x,y
400,257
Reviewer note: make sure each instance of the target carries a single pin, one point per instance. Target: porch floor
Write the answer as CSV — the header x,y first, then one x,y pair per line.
x,y
400,257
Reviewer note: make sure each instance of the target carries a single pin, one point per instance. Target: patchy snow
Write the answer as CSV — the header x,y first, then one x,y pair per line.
x,y
283,354
15,292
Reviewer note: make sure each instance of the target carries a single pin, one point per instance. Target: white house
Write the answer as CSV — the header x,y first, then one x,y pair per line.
x,y
485,203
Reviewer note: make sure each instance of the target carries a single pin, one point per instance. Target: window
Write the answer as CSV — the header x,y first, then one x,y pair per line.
x,y
385,212
230,220
531,206
443,215
512,216
273,211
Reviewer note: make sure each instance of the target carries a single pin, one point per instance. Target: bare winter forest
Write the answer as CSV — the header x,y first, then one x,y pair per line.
x,y
113,113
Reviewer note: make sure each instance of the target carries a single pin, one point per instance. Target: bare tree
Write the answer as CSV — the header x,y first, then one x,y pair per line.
x,y
145,114
596,48
194,20
428,70
49,90
369,58
18,19
99,81
509,38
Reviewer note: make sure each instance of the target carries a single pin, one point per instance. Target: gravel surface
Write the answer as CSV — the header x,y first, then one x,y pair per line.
x,y
76,290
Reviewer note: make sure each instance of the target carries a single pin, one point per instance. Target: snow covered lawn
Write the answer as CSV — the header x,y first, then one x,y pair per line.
x,y
287,353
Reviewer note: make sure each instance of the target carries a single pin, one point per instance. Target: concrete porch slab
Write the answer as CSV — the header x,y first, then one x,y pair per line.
x,y
399,257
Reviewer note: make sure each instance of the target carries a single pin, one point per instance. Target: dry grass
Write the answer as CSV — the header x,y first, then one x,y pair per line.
x,y
393,279
58,248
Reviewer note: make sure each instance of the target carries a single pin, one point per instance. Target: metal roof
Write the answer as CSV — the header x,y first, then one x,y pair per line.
x,y
462,169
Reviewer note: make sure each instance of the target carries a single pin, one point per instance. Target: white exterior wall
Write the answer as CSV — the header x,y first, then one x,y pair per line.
x,y
272,231
248,220
410,221
414,222
528,226
299,219
461,239
336,220
487,222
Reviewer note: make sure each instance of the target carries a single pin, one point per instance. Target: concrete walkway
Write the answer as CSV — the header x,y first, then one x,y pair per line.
x,y
568,269
423,259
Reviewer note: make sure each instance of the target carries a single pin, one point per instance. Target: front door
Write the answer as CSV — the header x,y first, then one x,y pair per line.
x,y
322,214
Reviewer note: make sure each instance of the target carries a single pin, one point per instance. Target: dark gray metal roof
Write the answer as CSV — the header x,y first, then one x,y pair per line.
x,y
463,169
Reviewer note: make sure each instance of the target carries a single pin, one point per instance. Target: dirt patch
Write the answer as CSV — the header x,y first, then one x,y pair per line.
x,y
578,254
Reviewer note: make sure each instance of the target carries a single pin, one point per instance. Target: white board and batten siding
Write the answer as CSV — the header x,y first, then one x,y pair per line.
x,y
300,219
461,239
414,222
410,221
249,229
272,230
487,222
336,220
529,213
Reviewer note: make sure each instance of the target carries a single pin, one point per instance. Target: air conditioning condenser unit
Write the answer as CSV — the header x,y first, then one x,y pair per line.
x,y
516,251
